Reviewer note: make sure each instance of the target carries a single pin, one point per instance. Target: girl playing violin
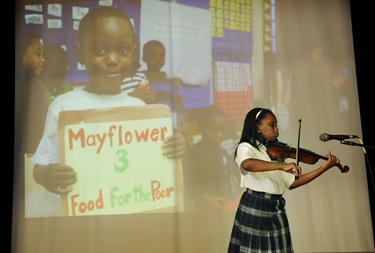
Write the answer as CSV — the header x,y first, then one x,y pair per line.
x,y
261,223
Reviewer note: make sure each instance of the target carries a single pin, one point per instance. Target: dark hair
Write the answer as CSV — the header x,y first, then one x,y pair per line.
x,y
25,39
250,130
207,114
150,45
87,23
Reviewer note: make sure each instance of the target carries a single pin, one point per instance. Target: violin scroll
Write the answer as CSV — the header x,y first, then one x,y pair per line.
x,y
343,169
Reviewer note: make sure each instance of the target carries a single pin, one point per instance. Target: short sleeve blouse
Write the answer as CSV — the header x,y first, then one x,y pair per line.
x,y
274,182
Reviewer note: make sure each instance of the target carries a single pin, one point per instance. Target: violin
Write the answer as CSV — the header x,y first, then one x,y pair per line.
x,y
283,151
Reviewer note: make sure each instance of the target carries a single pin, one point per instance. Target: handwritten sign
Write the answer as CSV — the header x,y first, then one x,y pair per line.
x,y
117,154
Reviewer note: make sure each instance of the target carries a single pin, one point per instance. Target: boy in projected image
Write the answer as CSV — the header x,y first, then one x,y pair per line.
x,y
162,88
165,88
137,85
32,54
208,157
44,89
52,79
106,46
33,63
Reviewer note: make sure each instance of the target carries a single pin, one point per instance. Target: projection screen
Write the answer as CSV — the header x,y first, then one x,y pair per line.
x,y
293,57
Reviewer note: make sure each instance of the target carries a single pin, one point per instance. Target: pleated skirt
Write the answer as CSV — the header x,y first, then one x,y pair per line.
x,y
260,225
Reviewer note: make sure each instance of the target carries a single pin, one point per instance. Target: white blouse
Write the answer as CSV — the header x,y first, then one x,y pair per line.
x,y
274,182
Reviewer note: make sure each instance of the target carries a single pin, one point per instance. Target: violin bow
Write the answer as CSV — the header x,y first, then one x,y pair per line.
x,y
297,149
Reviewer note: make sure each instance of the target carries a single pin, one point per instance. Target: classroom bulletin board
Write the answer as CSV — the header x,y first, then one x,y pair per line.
x,y
229,82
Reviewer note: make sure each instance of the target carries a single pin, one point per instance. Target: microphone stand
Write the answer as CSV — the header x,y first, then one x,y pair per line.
x,y
351,143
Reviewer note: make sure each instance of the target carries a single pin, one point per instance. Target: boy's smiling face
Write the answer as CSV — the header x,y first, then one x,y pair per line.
x,y
156,58
108,51
33,59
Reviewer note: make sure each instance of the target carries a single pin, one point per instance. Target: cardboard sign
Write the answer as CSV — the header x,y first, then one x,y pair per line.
x,y
117,154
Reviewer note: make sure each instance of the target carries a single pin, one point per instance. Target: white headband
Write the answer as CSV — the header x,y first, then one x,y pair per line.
x,y
256,116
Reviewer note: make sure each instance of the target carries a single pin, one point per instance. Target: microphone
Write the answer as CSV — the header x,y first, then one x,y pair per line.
x,y
340,137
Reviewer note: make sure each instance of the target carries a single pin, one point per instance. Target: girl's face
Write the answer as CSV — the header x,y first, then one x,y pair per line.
x,y
33,59
108,52
268,127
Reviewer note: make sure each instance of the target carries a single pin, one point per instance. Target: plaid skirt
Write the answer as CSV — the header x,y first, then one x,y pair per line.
x,y
260,225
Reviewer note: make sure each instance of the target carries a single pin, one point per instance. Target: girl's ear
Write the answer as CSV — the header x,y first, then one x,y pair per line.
x,y
78,54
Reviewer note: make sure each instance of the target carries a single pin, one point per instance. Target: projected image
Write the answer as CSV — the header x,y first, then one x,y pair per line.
x,y
96,168
166,67
182,56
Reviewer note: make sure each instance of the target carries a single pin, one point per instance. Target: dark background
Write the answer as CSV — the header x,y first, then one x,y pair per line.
x,y
362,21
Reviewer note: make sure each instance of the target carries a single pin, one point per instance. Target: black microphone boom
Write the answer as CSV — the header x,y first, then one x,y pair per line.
x,y
340,137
